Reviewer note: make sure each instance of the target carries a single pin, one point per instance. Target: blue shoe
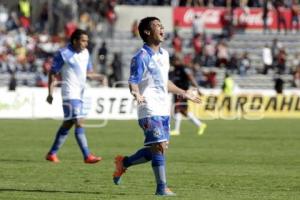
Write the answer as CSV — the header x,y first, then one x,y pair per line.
x,y
165,192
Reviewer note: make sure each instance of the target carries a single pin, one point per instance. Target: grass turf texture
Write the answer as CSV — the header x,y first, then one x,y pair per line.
x,y
234,160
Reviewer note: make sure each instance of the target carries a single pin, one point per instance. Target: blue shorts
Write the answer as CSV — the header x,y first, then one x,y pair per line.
x,y
73,109
156,129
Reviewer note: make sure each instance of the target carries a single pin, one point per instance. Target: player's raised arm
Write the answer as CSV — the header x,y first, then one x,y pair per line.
x,y
188,94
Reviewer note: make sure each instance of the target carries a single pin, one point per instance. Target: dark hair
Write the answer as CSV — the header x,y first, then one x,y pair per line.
x,y
77,34
145,24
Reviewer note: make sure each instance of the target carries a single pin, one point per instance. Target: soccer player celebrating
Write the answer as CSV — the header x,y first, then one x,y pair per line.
x,y
149,84
74,64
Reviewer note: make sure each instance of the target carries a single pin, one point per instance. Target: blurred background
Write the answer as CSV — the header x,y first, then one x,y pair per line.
x,y
256,42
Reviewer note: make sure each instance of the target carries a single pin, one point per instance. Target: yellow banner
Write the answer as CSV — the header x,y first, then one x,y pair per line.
x,y
249,106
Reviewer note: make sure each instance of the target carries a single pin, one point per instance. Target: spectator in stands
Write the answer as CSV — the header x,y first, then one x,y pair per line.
x,y
117,73
222,54
200,75
209,53
281,61
227,23
198,25
42,77
3,16
245,65
233,64
212,79
265,9
296,77
295,62
275,50
134,29
43,18
111,18
267,59
279,84
177,43
228,85
197,43
102,58
25,9
279,7
13,22
295,11
69,28
176,26
12,85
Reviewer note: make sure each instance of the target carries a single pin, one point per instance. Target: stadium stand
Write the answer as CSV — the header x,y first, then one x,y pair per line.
x,y
41,45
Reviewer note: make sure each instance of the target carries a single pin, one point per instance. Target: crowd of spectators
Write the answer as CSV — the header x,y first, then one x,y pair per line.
x,y
27,45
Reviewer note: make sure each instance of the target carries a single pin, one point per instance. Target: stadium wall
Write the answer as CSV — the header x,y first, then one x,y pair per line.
x,y
117,103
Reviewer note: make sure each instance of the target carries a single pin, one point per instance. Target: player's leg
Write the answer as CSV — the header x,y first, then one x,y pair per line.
x,y
77,116
158,138
159,169
177,116
61,134
83,144
201,126
141,156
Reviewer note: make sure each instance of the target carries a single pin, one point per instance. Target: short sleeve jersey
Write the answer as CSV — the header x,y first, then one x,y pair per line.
x,y
149,70
73,67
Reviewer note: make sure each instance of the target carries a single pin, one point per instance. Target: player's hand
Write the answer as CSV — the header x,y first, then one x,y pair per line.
x,y
49,99
139,98
192,95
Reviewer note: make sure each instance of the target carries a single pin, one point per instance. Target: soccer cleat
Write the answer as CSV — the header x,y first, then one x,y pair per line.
x,y
52,157
174,132
91,159
165,192
119,169
202,128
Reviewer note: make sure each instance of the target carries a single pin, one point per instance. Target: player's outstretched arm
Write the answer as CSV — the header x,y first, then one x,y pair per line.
x,y
188,94
98,77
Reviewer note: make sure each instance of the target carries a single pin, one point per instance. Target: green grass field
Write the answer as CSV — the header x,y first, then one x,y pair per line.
x,y
233,160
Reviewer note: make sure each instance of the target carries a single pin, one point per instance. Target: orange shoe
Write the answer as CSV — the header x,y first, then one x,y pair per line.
x,y
91,159
119,169
52,157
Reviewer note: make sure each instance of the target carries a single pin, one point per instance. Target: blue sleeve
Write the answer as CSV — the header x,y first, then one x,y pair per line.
x,y
90,66
58,63
136,70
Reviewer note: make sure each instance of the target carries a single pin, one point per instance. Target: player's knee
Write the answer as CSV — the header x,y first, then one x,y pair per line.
x,y
159,147
78,123
67,124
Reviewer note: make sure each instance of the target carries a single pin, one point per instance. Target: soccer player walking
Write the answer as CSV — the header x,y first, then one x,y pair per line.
x,y
183,77
74,64
149,84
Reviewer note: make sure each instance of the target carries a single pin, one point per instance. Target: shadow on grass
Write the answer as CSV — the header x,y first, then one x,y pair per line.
x,y
16,160
48,191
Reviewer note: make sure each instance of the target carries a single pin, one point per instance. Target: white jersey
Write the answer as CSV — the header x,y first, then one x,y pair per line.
x,y
150,71
73,67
